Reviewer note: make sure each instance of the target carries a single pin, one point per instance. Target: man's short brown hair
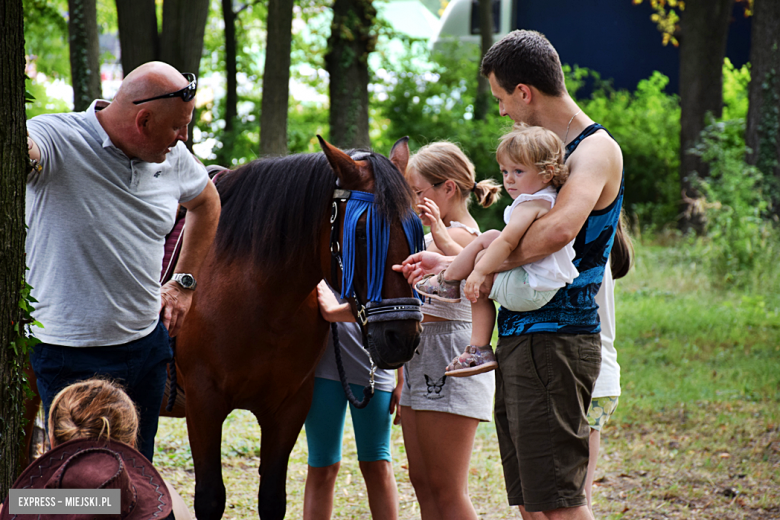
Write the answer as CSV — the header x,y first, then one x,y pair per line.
x,y
525,57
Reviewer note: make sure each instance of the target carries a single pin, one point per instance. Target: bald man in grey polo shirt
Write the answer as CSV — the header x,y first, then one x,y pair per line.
x,y
98,209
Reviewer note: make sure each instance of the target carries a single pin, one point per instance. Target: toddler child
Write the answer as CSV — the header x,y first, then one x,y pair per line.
x,y
532,164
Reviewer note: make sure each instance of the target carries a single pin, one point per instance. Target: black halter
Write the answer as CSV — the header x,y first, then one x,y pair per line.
x,y
370,312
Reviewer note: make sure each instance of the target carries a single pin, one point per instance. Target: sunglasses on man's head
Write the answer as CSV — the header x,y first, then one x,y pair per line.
x,y
187,93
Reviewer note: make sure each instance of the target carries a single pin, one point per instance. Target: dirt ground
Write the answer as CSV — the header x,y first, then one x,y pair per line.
x,y
693,463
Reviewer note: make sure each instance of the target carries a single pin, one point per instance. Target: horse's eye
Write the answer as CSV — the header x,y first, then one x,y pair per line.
x,y
360,234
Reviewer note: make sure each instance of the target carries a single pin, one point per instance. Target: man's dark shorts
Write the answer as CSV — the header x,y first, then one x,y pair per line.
x,y
139,366
543,389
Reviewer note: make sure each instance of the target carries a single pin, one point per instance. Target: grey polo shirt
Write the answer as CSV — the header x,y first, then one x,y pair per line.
x,y
97,223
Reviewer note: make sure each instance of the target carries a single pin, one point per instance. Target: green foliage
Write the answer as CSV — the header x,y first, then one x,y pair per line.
x,y
689,340
311,26
42,103
742,242
646,123
23,341
46,36
431,98
666,18
435,101
304,123
735,91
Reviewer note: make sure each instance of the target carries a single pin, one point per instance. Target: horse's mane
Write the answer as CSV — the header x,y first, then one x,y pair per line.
x,y
272,209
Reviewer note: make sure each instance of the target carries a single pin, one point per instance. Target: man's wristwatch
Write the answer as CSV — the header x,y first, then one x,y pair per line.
x,y
185,280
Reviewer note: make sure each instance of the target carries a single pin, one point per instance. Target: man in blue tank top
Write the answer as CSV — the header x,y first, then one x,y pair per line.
x,y
549,359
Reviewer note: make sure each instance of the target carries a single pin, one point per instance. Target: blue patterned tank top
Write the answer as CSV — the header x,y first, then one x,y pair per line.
x,y
573,310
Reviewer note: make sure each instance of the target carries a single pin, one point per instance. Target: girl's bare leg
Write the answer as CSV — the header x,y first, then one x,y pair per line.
x,y
442,451
318,492
381,488
461,267
418,473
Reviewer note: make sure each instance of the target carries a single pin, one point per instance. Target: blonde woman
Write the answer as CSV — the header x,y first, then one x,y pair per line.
x,y
440,414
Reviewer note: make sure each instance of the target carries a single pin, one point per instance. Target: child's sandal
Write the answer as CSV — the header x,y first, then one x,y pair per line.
x,y
474,360
436,287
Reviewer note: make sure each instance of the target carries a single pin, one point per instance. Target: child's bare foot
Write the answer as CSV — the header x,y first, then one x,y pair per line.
x,y
474,360
435,286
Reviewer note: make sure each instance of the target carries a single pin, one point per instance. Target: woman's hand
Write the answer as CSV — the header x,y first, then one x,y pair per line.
x,y
395,398
430,214
473,283
330,308
395,404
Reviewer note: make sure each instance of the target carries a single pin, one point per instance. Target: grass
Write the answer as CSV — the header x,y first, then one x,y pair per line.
x,y
696,434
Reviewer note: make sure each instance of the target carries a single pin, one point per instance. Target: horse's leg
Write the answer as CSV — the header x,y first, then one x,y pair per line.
x,y
279,433
206,411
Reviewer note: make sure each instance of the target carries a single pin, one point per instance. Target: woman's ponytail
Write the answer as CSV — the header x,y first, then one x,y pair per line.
x,y
487,192
622,255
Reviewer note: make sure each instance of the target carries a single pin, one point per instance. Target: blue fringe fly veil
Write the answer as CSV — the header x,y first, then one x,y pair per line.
x,y
378,238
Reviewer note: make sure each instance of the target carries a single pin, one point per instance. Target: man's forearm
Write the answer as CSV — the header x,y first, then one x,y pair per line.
x,y
542,239
199,233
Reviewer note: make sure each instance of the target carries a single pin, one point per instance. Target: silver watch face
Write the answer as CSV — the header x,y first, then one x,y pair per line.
x,y
187,281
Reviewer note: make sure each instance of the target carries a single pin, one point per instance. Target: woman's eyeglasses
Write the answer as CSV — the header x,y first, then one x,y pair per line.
x,y
419,193
187,93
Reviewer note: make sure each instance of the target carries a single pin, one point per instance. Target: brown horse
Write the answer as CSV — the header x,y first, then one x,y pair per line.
x,y
254,335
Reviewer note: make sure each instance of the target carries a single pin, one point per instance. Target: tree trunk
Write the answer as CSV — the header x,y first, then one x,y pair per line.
x,y
181,41
231,96
482,101
762,134
704,28
179,45
350,42
138,38
276,78
13,164
84,53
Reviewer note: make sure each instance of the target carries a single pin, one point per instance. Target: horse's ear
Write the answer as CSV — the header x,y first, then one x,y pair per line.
x,y
346,169
399,154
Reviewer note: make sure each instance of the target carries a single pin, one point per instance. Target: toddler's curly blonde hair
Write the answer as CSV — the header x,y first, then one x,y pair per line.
x,y
537,146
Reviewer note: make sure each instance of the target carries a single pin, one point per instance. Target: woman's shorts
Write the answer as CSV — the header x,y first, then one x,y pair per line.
x,y
601,409
427,388
325,424
512,291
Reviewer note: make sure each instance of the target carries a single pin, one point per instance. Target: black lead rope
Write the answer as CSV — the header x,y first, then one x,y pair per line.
x,y
172,391
368,392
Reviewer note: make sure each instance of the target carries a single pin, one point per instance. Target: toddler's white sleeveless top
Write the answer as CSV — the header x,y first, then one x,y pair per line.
x,y
554,271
